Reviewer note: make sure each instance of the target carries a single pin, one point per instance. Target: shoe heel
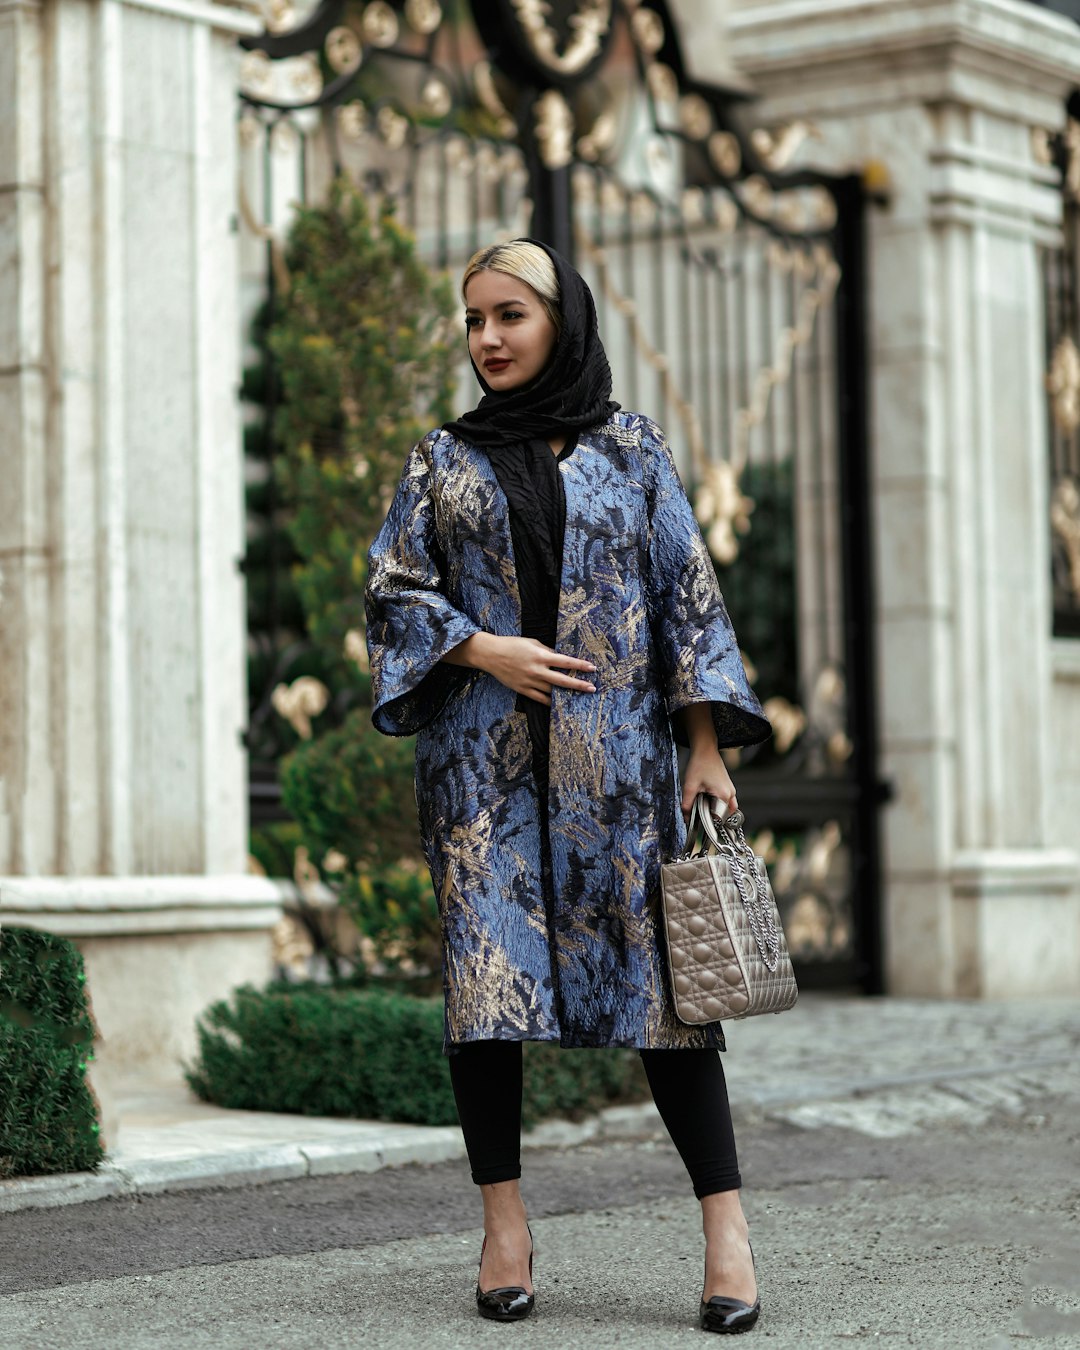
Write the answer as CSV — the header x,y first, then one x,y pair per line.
x,y
509,1303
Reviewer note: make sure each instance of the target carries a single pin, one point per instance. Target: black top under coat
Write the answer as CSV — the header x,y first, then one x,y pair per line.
x,y
571,394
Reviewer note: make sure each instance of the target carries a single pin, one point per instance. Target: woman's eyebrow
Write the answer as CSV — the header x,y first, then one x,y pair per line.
x,y
499,304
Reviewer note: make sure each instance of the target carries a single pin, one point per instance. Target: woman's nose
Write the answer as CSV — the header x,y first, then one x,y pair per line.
x,y
490,337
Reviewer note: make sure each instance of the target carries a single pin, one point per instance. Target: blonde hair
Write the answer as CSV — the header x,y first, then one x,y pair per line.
x,y
525,262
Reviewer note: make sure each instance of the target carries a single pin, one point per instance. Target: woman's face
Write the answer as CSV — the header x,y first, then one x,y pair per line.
x,y
511,337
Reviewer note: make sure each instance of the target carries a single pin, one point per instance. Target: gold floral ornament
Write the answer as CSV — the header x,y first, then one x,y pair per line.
x,y
305,873
806,925
423,16
356,649
695,116
379,24
291,945
305,77
352,120
788,723
344,51
436,97
692,205
789,211
727,215
250,129
823,208
819,856
756,195
256,74
647,28
663,82
278,15
722,510
393,126
283,138
1065,522
299,702
777,149
599,138
486,92
588,24
1063,383
725,153
554,129
1072,158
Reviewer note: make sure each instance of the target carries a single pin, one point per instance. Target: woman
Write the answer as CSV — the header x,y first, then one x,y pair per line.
x,y
543,614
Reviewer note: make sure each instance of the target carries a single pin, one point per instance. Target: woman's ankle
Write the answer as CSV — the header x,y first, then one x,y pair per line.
x,y
503,1206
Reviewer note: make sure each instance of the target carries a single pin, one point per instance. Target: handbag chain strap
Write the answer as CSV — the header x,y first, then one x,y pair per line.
x,y
740,855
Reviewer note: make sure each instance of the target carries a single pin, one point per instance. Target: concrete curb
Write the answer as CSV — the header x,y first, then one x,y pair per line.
x,y
284,1162
395,1146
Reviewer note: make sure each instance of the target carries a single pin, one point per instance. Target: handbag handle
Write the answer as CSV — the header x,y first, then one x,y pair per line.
x,y
731,823
760,915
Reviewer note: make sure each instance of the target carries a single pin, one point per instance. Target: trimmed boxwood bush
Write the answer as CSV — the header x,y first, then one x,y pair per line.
x,y
376,1055
48,1116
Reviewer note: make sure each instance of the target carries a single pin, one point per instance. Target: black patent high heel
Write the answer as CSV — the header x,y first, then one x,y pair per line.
x,y
509,1303
731,1315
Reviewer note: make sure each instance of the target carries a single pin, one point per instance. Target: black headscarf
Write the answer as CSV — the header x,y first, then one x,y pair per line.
x,y
571,393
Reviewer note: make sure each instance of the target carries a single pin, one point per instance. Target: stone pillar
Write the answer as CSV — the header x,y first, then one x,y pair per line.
x,y
123,796
983,891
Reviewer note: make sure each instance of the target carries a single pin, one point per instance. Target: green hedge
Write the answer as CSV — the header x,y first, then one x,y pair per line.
x,y
48,1116
375,1055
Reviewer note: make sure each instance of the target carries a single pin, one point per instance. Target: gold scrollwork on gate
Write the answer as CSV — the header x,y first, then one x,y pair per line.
x,y
344,51
380,24
1065,522
490,101
423,16
554,129
589,25
1063,383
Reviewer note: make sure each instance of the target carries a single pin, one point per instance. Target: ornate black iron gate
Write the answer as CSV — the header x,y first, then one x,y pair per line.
x,y
731,298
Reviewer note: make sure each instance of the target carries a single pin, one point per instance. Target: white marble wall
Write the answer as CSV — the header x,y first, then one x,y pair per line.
x,y
983,881
122,662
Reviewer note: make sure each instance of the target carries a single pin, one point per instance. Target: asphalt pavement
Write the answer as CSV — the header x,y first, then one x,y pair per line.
x,y
911,1170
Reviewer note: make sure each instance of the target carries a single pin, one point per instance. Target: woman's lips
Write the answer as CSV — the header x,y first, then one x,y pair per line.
x,y
496,365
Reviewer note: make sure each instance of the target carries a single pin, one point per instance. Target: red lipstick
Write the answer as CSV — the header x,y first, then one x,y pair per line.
x,y
496,364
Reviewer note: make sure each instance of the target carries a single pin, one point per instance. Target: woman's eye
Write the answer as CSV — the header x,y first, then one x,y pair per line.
x,y
471,320
511,314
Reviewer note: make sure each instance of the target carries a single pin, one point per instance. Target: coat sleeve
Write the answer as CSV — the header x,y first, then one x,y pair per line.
x,y
698,651
411,623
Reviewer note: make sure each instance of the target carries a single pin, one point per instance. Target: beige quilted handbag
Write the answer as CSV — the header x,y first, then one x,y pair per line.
x,y
726,950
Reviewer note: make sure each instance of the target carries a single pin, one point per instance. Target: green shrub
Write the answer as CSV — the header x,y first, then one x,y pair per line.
x,y
273,846
48,1116
370,1054
351,791
396,908
363,346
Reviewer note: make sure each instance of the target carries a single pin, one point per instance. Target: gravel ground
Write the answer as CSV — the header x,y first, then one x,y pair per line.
x,y
939,1229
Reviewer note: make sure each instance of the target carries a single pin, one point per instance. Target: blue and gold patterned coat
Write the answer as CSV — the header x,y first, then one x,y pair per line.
x,y
570,951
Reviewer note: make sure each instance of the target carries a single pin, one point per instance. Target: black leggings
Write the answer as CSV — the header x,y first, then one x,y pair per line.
x,y
688,1087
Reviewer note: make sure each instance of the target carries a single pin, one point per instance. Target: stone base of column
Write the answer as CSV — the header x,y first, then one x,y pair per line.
x,y
1016,923
158,950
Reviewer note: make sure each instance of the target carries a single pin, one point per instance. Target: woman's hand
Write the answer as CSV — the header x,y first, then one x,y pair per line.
x,y
522,664
705,770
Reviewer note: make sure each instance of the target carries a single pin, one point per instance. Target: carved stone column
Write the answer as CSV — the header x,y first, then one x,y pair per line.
x,y
946,97
123,807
